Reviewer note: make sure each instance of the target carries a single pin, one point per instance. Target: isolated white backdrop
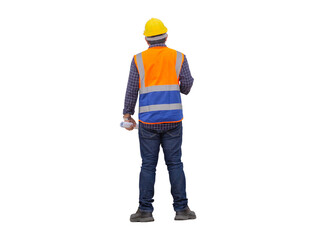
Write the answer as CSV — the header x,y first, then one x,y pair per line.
x,y
68,171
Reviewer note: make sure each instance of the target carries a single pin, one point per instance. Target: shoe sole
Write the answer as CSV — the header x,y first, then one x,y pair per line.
x,y
148,219
184,218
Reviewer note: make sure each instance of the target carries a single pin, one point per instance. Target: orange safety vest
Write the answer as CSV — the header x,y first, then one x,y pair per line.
x,y
159,90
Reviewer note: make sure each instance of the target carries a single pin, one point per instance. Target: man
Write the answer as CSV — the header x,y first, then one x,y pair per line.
x,y
159,75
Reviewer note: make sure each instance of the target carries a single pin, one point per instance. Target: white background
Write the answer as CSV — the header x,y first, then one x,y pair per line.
x,y
68,171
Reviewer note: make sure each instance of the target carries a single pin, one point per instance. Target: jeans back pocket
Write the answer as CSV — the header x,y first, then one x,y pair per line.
x,y
175,132
146,133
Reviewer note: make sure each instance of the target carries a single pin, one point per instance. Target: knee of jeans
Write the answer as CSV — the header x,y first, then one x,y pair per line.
x,y
174,165
149,167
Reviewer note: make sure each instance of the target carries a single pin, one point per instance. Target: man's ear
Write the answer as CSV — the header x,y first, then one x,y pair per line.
x,y
147,41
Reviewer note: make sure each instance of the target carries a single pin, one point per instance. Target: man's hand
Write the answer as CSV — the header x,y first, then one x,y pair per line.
x,y
127,118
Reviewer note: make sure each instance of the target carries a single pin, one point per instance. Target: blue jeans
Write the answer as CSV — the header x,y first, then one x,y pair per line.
x,y
150,141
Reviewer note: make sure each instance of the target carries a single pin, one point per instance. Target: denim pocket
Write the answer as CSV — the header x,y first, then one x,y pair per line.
x,y
175,132
146,133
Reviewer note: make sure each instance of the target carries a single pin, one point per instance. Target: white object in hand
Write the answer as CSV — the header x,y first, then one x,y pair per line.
x,y
127,125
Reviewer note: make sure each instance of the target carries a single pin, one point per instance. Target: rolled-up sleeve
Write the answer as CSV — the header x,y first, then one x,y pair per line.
x,y
185,78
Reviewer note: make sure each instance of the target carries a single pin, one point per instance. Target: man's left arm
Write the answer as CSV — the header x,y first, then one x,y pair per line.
x,y
185,78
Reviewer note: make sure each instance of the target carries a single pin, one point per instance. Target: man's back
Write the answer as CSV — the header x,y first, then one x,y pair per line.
x,y
159,99
159,62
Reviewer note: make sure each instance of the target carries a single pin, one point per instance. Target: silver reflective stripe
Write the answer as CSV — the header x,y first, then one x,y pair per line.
x,y
160,107
159,88
178,63
141,69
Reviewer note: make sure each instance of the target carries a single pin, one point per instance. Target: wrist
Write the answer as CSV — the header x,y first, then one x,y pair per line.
x,y
127,117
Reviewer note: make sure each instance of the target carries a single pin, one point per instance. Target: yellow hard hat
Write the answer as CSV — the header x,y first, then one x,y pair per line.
x,y
154,27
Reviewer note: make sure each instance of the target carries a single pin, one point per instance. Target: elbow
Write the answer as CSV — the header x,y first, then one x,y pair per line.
x,y
185,91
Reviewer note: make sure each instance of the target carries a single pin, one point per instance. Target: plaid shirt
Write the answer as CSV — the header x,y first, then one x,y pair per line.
x,y
186,82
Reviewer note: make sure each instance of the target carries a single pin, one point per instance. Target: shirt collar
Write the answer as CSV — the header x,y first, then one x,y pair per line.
x,y
157,45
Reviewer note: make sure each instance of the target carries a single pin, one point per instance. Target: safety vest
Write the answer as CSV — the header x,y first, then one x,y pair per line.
x,y
159,90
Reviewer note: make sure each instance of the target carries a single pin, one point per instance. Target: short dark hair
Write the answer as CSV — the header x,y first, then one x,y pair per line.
x,y
157,41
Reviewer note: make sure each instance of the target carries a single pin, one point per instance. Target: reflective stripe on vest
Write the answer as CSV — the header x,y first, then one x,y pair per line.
x,y
160,107
159,103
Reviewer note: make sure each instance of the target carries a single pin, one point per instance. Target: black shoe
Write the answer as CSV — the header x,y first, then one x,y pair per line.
x,y
185,214
141,216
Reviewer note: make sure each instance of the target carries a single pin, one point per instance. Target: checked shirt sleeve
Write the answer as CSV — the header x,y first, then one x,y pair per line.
x,y
131,94
185,78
